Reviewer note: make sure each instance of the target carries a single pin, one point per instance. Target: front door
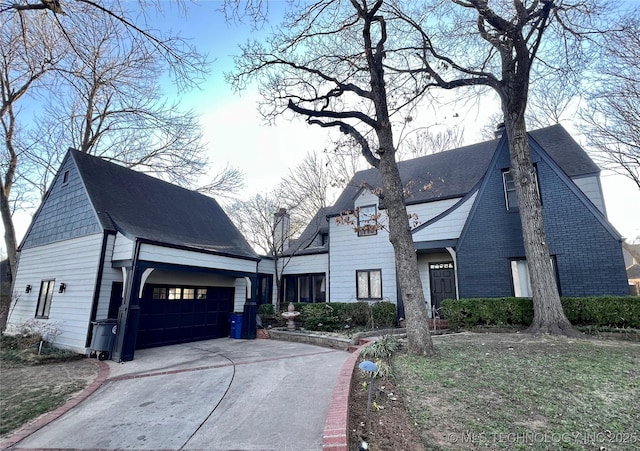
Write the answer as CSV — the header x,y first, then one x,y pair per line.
x,y
442,280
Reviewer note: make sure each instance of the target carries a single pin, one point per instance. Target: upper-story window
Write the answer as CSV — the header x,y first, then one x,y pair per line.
x,y
510,196
65,177
367,220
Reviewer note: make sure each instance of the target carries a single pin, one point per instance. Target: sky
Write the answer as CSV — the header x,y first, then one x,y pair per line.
x,y
236,135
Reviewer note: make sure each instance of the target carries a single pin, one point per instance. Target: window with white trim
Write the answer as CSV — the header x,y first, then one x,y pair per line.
x,y
367,220
522,280
369,284
44,298
510,196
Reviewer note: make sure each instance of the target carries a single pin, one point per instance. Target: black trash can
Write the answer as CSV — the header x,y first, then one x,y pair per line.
x,y
104,337
235,323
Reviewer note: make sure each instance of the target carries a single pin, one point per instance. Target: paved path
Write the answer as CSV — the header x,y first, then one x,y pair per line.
x,y
216,395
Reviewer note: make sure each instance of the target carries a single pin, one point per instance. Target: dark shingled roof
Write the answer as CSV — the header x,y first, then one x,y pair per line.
x,y
454,173
141,206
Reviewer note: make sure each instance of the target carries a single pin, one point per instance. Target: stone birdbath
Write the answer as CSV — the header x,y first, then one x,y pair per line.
x,y
290,315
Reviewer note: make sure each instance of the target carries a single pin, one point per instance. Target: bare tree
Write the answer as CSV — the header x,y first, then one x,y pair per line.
x,y
423,141
507,40
611,119
308,187
97,76
265,221
20,73
329,63
69,16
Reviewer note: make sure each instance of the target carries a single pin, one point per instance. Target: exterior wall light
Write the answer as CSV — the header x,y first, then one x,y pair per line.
x,y
27,289
63,287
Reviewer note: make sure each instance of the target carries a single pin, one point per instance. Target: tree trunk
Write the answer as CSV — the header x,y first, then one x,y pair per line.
x,y
9,234
548,314
418,336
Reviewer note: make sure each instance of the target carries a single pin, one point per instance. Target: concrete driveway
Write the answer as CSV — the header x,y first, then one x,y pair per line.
x,y
217,395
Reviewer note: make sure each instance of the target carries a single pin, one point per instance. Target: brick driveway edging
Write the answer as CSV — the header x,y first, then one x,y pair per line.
x,y
336,428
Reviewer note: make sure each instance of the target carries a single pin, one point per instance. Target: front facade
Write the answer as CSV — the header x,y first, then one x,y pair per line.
x,y
466,227
108,242
167,266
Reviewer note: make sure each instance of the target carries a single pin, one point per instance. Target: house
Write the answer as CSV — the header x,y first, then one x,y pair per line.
x,y
466,229
109,242
632,262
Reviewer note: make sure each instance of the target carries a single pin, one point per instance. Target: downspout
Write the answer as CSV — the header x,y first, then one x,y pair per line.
x,y
96,290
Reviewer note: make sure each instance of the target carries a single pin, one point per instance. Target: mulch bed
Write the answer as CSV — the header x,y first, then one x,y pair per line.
x,y
388,426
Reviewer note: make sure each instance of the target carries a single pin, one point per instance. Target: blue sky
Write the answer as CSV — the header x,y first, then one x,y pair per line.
x,y
236,135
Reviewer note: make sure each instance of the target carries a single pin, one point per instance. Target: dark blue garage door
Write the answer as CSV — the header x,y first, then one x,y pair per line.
x,y
178,314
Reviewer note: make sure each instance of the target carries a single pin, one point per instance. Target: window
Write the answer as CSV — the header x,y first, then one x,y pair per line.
x,y
521,279
201,293
65,178
369,284
175,293
188,293
305,288
367,220
44,298
159,293
510,196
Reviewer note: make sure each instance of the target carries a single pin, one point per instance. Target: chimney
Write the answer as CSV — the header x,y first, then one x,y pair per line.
x,y
499,130
281,229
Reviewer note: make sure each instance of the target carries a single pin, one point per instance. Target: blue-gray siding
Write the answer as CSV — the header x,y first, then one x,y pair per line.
x,y
66,212
588,255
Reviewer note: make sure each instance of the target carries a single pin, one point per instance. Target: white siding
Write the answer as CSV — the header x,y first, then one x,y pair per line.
x,y
426,211
448,227
109,275
305,264
155,253
73,262
591,187
349,253
240,295
122,248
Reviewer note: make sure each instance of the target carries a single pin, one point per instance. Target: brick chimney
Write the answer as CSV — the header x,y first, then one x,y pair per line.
x,y
281,229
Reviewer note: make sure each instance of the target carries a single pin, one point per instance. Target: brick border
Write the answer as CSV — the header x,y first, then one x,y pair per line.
x,y
46,418
335,436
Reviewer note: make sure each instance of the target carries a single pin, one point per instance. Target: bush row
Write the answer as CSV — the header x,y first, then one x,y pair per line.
x,y
613,311
335,316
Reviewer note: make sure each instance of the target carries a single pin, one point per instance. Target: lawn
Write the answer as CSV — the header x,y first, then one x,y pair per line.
x,y
32,384
514,391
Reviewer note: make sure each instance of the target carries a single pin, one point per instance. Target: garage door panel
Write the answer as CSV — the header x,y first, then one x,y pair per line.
x,y
170,321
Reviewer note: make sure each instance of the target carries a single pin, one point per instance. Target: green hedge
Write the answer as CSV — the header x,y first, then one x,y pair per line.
x,y
613,311
335,316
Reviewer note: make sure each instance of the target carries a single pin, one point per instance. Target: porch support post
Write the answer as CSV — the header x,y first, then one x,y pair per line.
x,y
128,318
454,256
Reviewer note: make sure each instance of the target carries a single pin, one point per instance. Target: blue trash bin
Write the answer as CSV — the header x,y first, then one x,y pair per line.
x,y
235,323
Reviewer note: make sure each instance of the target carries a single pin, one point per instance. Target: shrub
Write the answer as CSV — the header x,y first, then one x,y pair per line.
x,y
266,309
383,315
336,316
612,311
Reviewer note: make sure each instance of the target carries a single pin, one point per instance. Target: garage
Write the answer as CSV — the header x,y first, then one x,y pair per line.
x,y
172,314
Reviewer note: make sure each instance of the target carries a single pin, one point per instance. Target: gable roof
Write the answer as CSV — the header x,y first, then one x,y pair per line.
x,y
454,173
141,206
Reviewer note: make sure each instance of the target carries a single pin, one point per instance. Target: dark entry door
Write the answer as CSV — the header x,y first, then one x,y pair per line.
x,y
170,315
443,283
